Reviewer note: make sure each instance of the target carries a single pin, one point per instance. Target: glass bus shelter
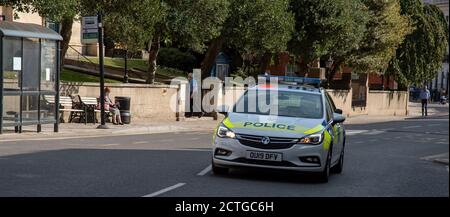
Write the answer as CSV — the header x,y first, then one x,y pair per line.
x,y
29,76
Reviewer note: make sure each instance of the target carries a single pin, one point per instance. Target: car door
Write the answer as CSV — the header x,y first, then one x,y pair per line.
x,y
336,129
340,126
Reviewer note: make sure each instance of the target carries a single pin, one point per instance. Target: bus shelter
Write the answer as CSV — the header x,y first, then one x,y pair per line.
x,y
30,71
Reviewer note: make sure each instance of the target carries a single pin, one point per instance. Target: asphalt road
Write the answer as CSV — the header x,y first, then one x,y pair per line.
x,y
382,159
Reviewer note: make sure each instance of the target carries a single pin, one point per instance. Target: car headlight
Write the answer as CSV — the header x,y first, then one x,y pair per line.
x,y
224,132
314,139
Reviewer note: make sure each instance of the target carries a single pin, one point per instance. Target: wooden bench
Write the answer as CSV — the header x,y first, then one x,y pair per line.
x,y
90,103
66,105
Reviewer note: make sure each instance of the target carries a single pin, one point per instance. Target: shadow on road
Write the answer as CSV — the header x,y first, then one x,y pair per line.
x,y
278,176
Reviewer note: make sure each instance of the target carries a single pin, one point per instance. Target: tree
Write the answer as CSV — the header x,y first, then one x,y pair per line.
x,y
327,29
255,28
420,56
129,24
386,31
63,12
189,23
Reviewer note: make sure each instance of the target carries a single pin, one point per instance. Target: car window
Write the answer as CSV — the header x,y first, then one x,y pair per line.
x,y
333,106
290,104
328,109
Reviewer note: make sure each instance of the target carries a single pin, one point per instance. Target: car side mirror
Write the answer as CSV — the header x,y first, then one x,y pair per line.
x,y
338,118
223,109
339,111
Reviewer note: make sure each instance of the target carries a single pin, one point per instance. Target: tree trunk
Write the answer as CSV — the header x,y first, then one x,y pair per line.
x,y
153,55
264,64
66,33
334,69
213,50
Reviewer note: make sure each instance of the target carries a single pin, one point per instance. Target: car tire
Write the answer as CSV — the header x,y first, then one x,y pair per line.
x,y
325,174
340,166
219,170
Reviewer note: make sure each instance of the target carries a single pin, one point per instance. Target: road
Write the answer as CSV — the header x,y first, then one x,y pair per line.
x,y
382,159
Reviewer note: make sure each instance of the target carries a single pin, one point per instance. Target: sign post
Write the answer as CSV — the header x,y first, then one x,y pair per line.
x,y
90,30
102,71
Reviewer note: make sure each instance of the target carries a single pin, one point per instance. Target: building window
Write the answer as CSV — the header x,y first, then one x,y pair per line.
x,y
52,25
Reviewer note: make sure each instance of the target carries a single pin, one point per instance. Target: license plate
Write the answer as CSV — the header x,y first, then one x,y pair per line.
x,y
267,156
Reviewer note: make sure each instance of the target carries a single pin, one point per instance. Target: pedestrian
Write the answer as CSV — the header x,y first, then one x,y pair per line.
x,y
112,107
425,98
193,91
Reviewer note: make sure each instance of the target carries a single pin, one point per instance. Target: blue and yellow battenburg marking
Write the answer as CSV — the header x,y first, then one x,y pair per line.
x,y
273,127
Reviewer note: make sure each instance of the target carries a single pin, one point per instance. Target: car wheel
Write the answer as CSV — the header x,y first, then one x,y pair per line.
x,y
219,170
340,166
324,176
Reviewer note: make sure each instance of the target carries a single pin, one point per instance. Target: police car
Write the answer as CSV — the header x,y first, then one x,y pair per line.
x,y
306,134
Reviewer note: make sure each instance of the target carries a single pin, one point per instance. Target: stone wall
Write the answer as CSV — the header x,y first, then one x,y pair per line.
x,y
147,101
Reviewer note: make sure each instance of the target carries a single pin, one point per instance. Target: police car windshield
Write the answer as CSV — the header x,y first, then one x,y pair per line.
x,y
290,104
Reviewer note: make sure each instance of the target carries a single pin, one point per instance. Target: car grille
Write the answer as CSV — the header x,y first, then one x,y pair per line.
x,y
275,142
265,163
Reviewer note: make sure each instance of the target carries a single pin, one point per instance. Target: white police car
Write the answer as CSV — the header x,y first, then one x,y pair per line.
x,y
306,134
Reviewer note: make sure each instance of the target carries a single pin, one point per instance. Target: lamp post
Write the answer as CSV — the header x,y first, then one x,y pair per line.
x,y
125,76
102,73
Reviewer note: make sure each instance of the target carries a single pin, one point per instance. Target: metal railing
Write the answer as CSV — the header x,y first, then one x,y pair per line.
x,y
80,57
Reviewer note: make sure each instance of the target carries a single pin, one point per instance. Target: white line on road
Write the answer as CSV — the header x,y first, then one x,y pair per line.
x,y
433,125
355,132
162,191
205,171
140,142
109,145
411,127
375,132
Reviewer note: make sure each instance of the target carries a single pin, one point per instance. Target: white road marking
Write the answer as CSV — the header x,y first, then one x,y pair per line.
x,y
166,140
375,132
411,127
192,139
431,157
355,132
432,125
162,191
140,142
205,171
109,145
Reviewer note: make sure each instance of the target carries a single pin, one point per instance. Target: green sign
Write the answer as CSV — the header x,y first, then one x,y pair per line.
x,y
92,35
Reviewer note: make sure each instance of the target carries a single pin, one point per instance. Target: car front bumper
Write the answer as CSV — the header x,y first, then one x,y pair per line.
x,y
291,157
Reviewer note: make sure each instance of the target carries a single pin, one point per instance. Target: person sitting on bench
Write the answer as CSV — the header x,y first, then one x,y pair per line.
x,y
112,107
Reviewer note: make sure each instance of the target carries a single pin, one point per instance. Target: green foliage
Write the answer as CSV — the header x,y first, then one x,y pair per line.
x,y
54,10
130,24
386,30
174,58
420,56
258,26
191,23
328,28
